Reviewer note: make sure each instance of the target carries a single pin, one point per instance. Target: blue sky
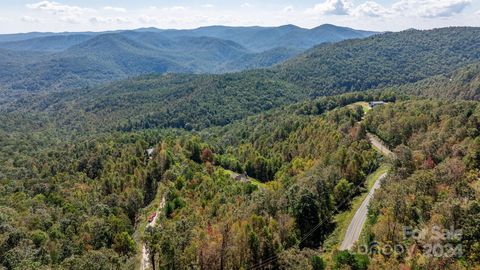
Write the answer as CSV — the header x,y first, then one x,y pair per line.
x,y
88,15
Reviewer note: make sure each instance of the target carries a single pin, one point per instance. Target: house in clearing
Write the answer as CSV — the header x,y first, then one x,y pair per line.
x,y
374,104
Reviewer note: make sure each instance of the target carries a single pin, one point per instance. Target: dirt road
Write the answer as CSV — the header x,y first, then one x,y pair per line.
x,y
145,264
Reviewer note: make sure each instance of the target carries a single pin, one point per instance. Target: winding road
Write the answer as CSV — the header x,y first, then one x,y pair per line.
x,y
356,225
375,141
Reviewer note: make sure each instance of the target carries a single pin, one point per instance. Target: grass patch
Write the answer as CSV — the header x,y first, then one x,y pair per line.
x,y
342,220
256,182
365,106
253,181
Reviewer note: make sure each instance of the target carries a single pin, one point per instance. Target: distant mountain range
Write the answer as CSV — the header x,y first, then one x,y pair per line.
x,y
254,38
395,60
40,61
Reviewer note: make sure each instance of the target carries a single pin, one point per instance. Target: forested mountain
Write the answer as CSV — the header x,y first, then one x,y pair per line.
x,y
5,38
83,169
434,183
382,60
76,60
310,155
47,43
462,84
256,39
114,56
80,210
267,38
191,102
378,61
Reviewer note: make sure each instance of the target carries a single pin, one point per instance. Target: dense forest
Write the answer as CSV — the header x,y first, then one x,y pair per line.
x,y
81,202
383,60
49,62
303,160
434,183
254,167
462,84
199,101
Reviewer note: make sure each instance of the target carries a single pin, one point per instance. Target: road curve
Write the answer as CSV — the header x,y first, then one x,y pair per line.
x,y
375,141
145,263
356,225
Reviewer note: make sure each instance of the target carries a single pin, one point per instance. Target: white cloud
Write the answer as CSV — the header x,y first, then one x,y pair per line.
x,y
115,9
145,19
71,19
167,9
175,8
370,9
124,20
29,19
109,20
402,8
430,8
62,15
331,7
288,9
57,8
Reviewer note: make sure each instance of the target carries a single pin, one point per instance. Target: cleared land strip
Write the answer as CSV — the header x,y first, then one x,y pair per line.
x,y
145,263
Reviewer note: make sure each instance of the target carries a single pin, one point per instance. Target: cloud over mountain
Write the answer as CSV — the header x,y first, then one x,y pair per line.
x,y
331,7
430,8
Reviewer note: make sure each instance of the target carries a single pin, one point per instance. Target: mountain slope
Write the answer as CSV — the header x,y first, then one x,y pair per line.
x,y
198,101
113,56
267,38
46,44
462,84
382,60
75,60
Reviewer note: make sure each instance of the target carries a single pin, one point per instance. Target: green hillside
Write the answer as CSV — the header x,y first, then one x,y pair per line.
x,y
383,60
434,182
76,60
82,169
113,56
462,84
88,191
198,101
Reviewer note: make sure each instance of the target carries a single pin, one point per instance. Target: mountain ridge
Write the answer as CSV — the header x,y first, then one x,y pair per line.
x,y
218,31
81,59
219,99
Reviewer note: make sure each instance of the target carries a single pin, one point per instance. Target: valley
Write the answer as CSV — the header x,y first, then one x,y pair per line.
x,y
239,148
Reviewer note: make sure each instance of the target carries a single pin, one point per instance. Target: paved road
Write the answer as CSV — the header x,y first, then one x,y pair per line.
x,y
375,141
356,225
145,264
